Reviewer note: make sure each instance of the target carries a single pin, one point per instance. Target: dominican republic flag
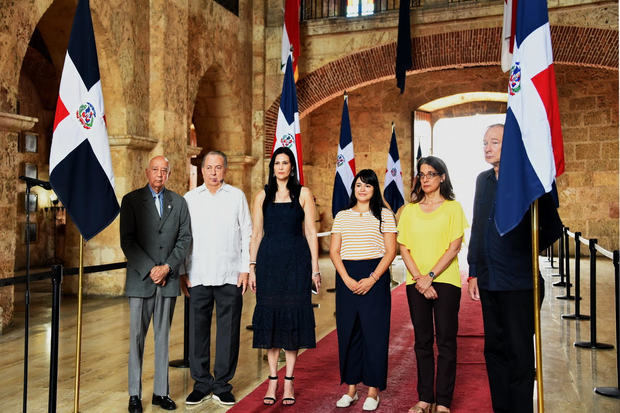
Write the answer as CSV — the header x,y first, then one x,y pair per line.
x,y
345,164
419,154
290,35
532,149
508,33
394,192
80,165
287,129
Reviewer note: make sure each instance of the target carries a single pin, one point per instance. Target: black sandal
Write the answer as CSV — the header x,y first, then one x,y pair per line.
x,y
270,399
291,400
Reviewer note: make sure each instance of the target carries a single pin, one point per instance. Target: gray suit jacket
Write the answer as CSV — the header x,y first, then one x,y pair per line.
x,y
148,240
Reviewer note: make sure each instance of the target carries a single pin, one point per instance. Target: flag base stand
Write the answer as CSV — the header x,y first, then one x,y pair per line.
x,y
566,297
180,364
608,391
575,317
593,346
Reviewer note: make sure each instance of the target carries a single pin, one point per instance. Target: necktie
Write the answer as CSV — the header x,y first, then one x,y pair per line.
x,y
158,205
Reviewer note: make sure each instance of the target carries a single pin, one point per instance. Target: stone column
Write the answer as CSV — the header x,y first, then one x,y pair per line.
x,y
239,169
10,127
258,95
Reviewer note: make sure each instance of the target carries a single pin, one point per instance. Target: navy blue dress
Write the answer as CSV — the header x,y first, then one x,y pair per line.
x,y
283,316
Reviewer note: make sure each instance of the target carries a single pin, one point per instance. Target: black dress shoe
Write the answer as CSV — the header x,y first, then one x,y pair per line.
x,y
135,405
164,402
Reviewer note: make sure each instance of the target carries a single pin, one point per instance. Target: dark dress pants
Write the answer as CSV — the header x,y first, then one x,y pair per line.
x,y
228,303
509,348
363,325
445,313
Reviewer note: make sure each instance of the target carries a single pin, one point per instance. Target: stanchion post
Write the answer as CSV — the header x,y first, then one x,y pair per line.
x,y
551,255
577,315
184,363
53,385
615,391
561,260
593,344
566,269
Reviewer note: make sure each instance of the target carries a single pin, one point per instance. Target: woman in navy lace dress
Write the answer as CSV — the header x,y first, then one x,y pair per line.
x,y
283,265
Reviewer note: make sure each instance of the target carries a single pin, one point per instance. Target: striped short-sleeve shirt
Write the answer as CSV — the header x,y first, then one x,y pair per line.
x,y
361,237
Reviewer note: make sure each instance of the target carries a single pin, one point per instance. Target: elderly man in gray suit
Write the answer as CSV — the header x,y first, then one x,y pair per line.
x,y
155,237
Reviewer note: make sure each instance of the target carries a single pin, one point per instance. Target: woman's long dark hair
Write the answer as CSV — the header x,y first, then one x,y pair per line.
x,y
445,187
368,176
292,185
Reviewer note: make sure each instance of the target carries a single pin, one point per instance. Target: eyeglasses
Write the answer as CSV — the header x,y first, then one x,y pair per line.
x,y
429,175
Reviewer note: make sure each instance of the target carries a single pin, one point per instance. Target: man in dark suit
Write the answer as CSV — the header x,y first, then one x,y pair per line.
x,y
155,237
500,269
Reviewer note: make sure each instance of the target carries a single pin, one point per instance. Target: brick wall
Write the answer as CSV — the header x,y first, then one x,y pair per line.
x,y
589,188
372,109
578,46
589,110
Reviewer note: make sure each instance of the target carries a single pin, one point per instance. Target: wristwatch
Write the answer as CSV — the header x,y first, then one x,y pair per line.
x,y
431,274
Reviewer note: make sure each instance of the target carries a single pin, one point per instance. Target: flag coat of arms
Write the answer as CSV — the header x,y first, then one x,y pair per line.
x,y
80,164
288,133
532,149
394,192
290,35
345,164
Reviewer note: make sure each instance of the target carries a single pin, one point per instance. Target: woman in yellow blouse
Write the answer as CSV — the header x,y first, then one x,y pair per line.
x,y
362,248
430,232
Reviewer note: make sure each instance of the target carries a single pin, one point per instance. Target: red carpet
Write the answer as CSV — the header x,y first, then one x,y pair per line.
x,y
317,374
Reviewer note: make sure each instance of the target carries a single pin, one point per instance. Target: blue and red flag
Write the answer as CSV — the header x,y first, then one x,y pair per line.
x,y
288,133
532,149
394,192
345,163
80,164
290,36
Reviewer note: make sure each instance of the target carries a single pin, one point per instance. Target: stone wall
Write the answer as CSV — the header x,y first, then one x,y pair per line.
x,y
589,110
152,56
41,249
589,188
372,109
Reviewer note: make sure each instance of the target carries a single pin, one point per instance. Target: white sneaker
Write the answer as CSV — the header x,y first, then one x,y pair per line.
x,y
371,404
346,400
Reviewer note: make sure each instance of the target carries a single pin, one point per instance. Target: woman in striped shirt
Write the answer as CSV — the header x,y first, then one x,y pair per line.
x,y
362,248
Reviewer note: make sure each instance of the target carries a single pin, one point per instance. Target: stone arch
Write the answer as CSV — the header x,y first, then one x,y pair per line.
x,y
578,46
213,115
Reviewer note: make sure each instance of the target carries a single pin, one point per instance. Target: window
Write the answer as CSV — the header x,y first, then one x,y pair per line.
x,y
360,7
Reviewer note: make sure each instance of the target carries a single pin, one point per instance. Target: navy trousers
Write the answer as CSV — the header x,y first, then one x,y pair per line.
x,y
363,325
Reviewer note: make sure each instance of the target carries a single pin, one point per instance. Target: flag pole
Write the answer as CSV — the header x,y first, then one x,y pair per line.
x,y
78,338
538,340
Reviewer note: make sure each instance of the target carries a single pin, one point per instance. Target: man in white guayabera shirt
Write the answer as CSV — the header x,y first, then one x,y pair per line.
x,y
217,273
